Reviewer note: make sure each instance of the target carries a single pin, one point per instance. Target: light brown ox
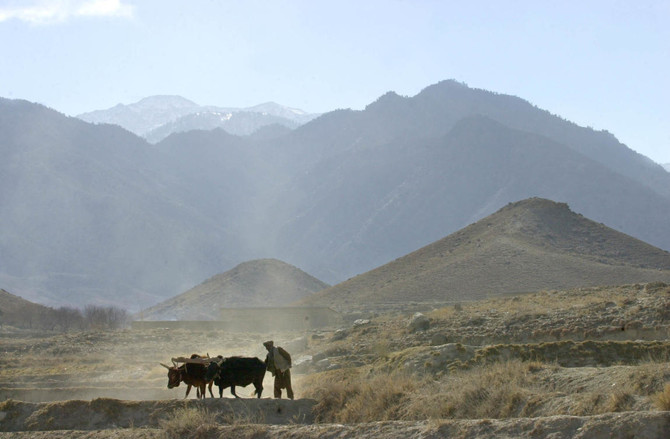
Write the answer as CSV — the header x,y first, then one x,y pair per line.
x,y
192,373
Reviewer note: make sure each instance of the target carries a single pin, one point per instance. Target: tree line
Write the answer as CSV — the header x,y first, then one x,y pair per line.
x,y
66,318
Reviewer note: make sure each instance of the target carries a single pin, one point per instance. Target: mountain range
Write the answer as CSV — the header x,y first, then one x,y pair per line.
x,y
92,213
527,246
156,117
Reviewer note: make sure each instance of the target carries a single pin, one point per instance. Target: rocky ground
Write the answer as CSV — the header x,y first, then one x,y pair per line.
x,y
584,363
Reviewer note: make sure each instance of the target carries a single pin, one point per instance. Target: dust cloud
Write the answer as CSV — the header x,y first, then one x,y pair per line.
x,y
122,364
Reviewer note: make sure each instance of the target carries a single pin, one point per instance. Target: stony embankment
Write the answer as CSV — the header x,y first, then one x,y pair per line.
x,y
649,425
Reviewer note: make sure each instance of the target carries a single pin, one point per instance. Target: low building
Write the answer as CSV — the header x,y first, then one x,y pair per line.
x,y
256,320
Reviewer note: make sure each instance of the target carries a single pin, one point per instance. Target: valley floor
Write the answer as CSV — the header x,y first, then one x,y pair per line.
x,y
581,363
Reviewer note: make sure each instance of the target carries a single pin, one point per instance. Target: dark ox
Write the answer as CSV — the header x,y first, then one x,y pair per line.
x,y
193,375
237,371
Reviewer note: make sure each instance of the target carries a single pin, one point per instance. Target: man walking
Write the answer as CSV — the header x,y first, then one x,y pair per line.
x,y
278,362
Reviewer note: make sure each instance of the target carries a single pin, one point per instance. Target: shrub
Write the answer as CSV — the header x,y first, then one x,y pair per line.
x,y
662,398
620,401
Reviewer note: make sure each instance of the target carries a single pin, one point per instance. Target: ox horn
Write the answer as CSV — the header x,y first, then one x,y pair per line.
x,y
165,366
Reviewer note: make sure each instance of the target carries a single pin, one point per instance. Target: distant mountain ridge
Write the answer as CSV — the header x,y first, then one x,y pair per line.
x,y
156,117
527,246
259,283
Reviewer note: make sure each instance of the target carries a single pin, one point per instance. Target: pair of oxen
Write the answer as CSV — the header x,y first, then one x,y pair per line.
x,y
200,372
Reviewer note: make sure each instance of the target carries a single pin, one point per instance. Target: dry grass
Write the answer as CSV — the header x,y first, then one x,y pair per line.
x,y
500,390
494,391
347,397
191,423
620,401
200,423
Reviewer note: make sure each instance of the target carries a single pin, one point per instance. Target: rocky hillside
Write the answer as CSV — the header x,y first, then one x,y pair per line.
x,y
530,245
259,283
541,325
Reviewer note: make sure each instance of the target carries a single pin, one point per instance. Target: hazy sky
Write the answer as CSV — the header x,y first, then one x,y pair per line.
x,y
604,64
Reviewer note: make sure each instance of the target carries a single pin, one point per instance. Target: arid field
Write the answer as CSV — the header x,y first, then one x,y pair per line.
x,y
591,362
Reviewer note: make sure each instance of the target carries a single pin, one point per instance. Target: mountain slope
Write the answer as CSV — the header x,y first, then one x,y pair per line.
x,y
530,245
259,283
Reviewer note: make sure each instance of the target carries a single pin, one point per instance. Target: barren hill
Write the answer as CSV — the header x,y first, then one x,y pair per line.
x,y
530,245
258,283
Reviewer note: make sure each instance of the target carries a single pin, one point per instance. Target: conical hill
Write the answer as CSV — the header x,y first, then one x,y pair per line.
x,y
257,283
531,245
